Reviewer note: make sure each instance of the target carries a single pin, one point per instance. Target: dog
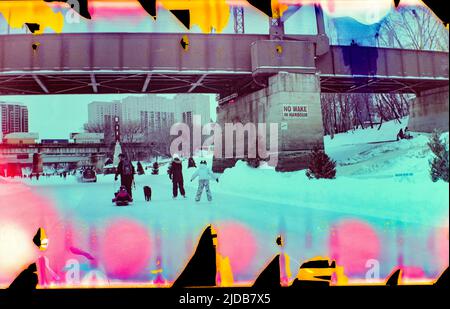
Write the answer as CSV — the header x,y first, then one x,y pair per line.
x,y
148,193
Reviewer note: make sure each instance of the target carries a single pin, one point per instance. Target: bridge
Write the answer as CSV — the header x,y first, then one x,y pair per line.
x,y
213,63
256,77
61,153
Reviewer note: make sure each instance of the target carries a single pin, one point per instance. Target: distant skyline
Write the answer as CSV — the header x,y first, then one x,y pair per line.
x,y
56,116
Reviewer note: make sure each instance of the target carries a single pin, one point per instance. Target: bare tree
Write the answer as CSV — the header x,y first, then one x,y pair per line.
x,y
409,27
159,142
94,127
108,133
131,131
413,27
342,112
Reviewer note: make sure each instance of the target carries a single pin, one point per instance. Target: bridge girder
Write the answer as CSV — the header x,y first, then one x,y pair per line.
x,y
224,64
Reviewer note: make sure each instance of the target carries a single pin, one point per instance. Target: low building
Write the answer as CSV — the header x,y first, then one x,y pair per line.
x,y
20,138
88,138
56,141
13,117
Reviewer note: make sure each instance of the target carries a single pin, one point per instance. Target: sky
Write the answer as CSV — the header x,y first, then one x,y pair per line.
x,y
255,23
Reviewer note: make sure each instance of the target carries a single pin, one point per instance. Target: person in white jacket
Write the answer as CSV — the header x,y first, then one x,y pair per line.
x,y
204,175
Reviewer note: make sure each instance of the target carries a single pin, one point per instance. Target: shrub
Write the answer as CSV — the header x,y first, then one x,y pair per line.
x,y
439,164
320,165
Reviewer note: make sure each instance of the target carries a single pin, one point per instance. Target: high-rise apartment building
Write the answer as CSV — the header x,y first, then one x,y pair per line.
x,y
152,112
13,117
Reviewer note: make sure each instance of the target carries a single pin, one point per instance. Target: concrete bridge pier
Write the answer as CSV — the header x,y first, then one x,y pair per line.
x,y
429,111
292,102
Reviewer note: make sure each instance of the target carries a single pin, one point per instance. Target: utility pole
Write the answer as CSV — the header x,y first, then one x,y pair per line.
x,y
116,129
276,30
238,12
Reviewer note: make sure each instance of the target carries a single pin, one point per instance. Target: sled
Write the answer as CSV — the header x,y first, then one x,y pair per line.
x,y
122,203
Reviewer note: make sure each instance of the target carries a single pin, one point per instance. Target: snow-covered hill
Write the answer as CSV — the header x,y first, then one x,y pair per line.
x,y
376,176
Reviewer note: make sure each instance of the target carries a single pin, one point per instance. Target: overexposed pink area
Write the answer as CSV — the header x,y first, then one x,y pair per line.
x,y
352,243
16,250
366,11
412,272
438,247
125,249
108,10
237,242
22,212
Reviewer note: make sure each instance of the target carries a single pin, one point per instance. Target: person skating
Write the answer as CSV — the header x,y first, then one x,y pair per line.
x,y
126,171
204,174
175,172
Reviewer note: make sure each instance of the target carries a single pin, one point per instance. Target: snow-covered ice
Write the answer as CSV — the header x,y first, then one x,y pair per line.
x,y
382,188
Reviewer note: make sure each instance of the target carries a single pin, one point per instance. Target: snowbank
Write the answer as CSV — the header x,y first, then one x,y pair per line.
x,y
422,202
387,132
376,176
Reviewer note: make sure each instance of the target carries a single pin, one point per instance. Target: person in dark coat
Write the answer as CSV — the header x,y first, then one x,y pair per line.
x,y
175,172
191,162
140,169
126,171
155,169
400,135
407,134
